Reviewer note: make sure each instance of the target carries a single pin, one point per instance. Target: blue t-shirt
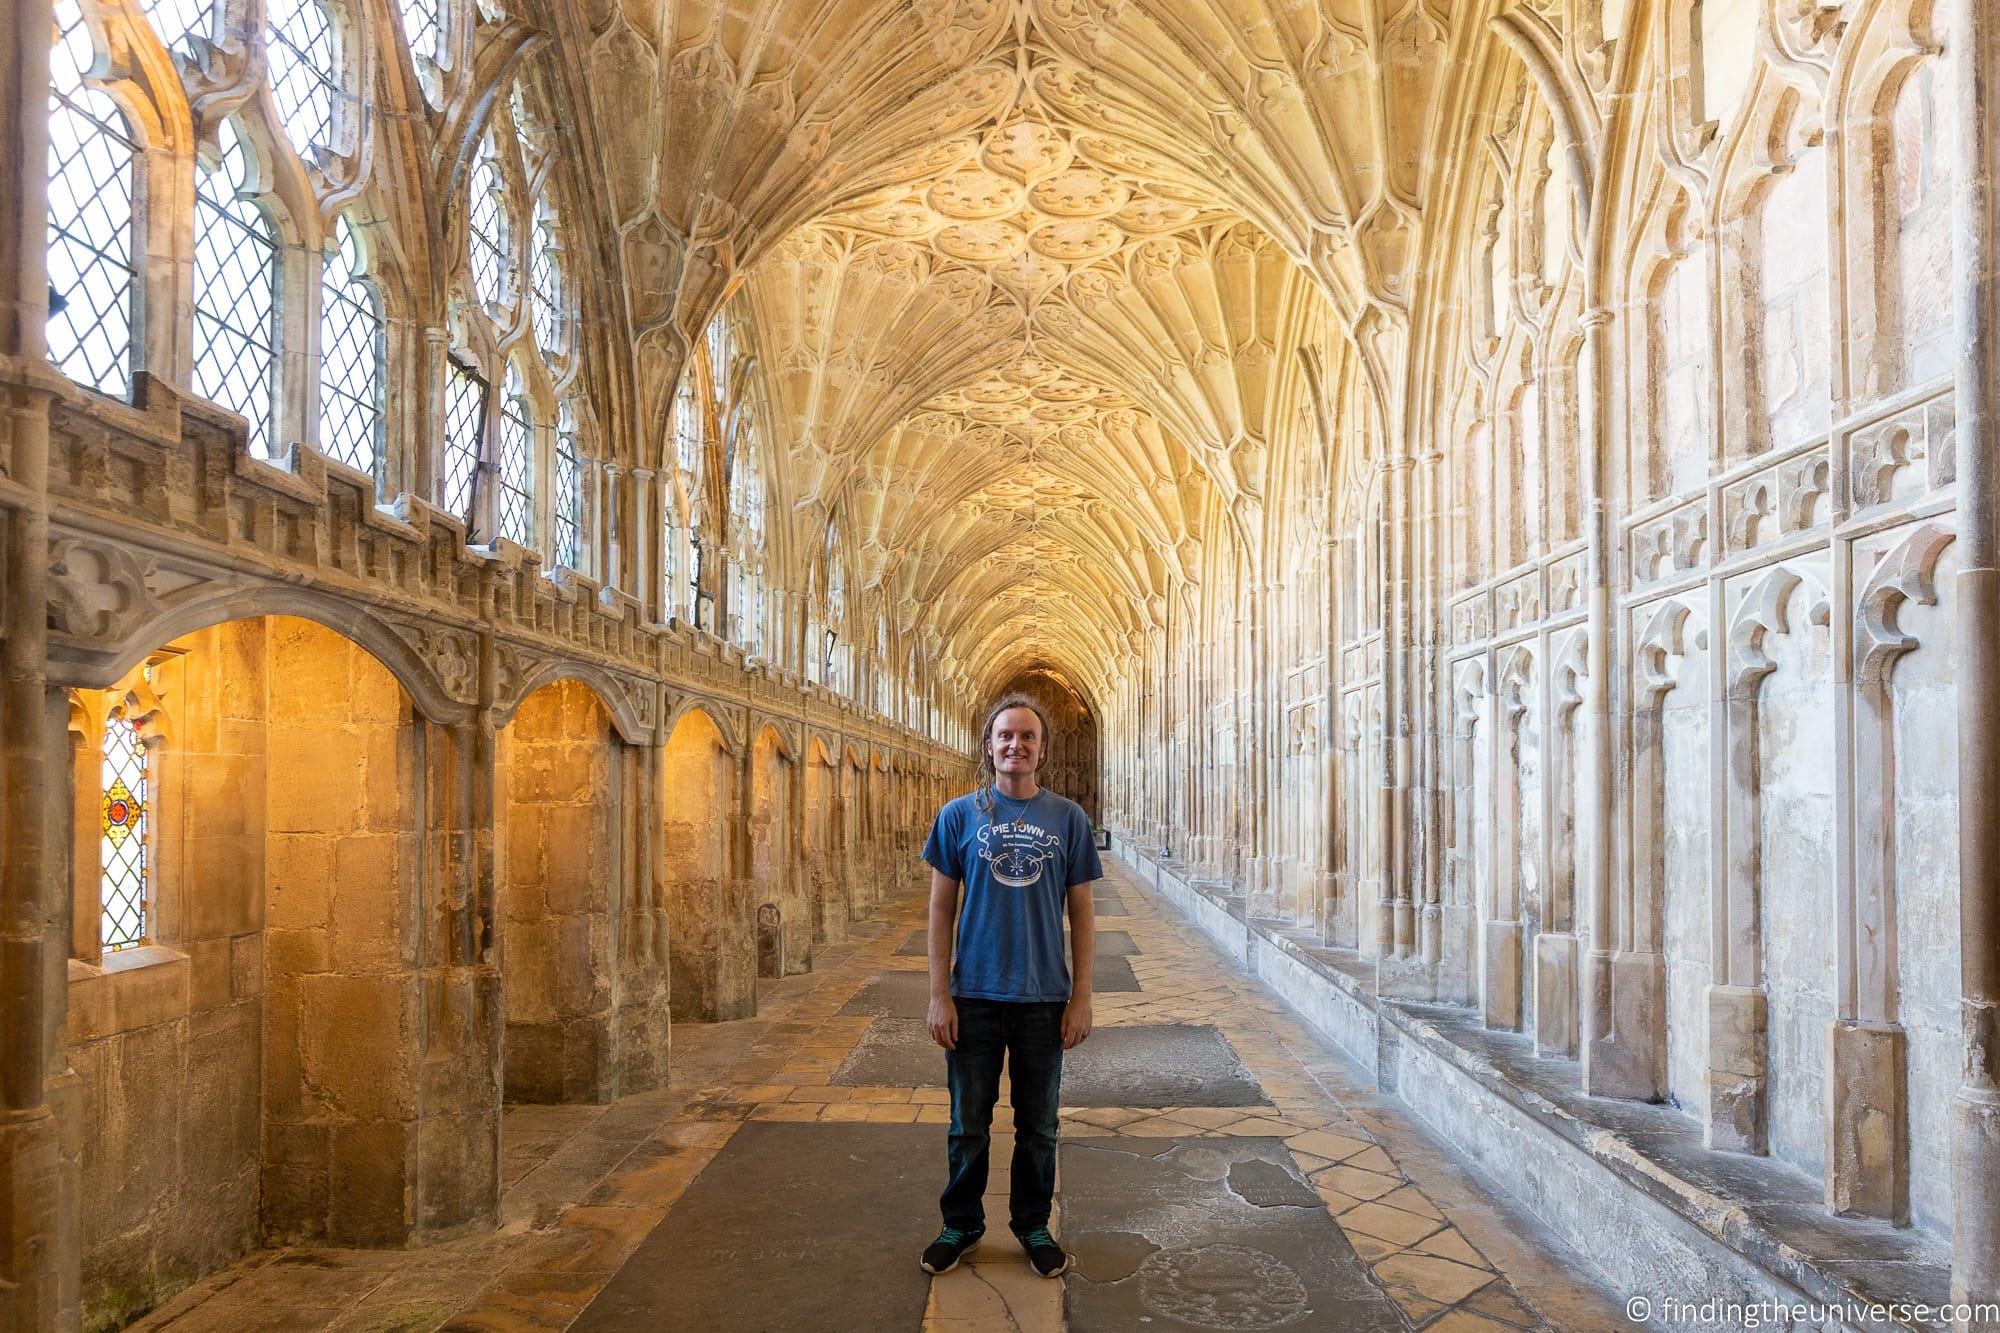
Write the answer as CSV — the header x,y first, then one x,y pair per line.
x,y
1016,865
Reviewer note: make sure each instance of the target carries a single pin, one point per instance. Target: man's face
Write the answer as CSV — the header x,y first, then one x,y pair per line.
x,y
1016,742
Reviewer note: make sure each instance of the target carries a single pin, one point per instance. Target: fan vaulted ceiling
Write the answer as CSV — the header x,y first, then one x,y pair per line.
x,y
1028,282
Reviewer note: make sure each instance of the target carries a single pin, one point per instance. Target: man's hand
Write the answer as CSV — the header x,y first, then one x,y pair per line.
x,y
1076,1022
943,1020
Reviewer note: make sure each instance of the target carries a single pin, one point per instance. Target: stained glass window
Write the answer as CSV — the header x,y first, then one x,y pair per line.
x,y
351,357
123,829
464,404
545,282
235,292
424,29
488,226
304,69
90,216
569,491
517,463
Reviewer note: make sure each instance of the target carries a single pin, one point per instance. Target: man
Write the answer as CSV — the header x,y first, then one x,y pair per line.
x,y
1023,855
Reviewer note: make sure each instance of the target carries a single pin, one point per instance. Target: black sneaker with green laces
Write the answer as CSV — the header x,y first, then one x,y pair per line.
x,y
951,1245
1048,1258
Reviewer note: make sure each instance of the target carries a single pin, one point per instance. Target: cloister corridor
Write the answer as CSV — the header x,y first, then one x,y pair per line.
x,y
514,515
748,1193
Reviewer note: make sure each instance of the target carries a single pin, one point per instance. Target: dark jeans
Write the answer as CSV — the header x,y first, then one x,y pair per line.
x,y
1030,1036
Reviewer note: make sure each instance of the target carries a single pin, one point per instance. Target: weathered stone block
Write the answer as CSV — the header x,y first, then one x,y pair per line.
x,y
224,886
1628,1058
1556,1012
210,982
368,930
298,872
1867,1156
360,1080
371,1183
1738,1086
1501,999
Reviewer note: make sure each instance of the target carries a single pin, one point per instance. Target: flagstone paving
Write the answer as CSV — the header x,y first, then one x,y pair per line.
x,y
767,1189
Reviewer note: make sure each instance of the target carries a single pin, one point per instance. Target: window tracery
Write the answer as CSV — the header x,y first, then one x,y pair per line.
x,y
464,412
352,355
545,283
517,462
90,188
488,229
176,21
424,29
235,291
568,490
302,54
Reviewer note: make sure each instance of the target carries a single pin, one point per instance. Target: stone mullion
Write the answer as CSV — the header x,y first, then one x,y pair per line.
x,y
1975,1114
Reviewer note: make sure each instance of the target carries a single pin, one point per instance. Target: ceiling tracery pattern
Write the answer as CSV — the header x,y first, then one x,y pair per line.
x,y
1030,277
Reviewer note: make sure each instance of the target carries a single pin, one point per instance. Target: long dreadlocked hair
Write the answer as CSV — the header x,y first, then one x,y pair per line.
x,y
987,774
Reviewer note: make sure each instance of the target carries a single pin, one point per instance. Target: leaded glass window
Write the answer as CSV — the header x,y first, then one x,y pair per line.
x,y
177,20
123,828
90,216
517,463
670,556
424,29
303,59
746,490
487,214
569,491
545,282
464,404
352,354
719,363
687,430
235,292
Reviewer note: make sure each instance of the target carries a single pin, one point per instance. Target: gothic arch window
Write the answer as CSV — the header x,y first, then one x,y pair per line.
x,y
90,173
125,863
682,574
176,21
488,227
517,461
302,56
235,290
426,30
836,608
352,356
545,283
464,420
568,490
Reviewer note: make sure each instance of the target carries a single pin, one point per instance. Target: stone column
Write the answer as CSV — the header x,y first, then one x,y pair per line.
x,y
34,1257
1975,1116
643,545
1392,542
613,528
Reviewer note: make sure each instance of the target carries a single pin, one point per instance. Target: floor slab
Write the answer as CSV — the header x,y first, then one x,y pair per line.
x,y
1203,1234
1140,1065
792,1227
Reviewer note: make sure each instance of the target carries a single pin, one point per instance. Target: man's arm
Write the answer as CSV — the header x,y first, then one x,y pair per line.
x,y
943,1016
1083,957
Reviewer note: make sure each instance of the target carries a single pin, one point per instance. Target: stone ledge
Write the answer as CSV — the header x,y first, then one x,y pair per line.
x,y
1627,1184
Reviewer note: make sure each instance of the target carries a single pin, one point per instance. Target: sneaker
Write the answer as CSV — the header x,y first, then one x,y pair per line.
x,y
950,1246
1048,1258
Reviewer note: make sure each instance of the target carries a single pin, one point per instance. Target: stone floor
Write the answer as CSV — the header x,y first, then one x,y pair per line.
x,y
770,1188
